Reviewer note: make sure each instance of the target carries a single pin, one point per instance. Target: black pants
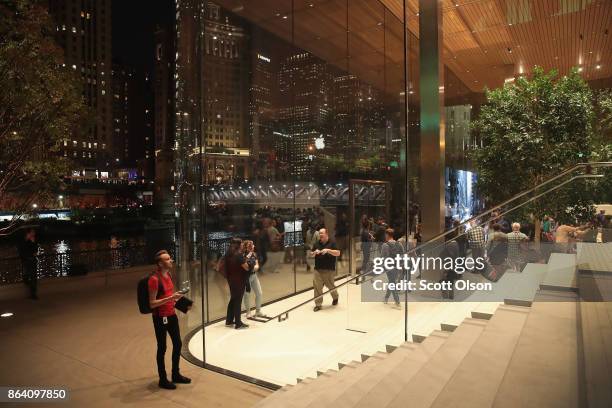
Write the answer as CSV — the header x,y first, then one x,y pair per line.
x,y
234,307
263,257
172,328
30,277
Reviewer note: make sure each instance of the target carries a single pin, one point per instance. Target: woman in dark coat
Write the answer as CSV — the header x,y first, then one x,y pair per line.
x,y
236,271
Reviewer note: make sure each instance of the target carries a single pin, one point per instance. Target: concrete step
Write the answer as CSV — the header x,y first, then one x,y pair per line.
x,y
330,390
398,366
475,382
543,371
314,394
326,391
597,346
594,257
561,273
304,396
422,388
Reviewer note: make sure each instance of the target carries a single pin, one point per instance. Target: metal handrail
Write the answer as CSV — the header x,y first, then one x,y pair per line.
x,y
284,315
519,195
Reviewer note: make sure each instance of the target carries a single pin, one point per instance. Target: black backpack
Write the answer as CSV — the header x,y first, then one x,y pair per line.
x,y
143,294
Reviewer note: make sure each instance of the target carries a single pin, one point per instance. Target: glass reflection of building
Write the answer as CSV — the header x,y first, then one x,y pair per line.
x,y
270,133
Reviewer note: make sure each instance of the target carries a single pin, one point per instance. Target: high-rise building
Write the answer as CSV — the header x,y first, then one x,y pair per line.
x,y
226,94
142,140
303,82
262,87
122,86
358,124
163,94
83,30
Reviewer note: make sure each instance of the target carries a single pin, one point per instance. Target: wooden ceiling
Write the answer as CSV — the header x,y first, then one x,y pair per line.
x,y
485,41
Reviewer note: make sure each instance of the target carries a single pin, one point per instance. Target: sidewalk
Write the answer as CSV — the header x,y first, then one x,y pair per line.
x,y
94,342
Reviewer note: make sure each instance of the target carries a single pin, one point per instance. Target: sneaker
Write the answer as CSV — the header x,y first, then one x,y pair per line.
x,y
335,302
167,385
242,326
180,379
316,308
259,314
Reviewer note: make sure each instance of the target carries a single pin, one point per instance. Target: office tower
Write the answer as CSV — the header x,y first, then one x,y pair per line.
x,y
304,82
142,140
163,94
83,30
122,84
225,64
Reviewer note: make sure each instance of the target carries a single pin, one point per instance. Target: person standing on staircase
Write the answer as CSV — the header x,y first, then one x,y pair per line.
x,y
516,240
476,241
325,253
390,249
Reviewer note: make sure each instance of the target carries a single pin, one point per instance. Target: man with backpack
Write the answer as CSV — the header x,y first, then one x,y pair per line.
x,y
161,301
390,249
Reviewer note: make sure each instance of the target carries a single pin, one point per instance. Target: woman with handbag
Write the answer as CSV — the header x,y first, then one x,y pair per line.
x,y
248,250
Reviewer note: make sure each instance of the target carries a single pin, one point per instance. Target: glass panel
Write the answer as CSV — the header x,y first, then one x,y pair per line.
x,y
291,101
188,165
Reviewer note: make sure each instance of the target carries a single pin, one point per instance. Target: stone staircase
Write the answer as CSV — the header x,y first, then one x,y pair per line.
x,y
555,351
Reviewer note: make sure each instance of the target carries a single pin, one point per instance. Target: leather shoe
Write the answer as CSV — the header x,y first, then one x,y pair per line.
x,y
165,384
335,302
316,308
180,379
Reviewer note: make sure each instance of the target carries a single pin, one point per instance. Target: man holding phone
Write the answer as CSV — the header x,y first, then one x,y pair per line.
x,y
325,253
162,299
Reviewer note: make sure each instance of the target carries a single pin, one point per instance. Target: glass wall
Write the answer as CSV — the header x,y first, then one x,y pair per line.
x,y
290,118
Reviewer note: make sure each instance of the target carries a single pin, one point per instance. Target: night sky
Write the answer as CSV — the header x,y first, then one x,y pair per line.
x,y
134,23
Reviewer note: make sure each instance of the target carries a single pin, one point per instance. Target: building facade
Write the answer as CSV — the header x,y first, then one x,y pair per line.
x,y
83,30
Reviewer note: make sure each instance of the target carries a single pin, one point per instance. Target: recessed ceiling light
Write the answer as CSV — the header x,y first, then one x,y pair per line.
x,y
579,69
284,17
7,314
598,67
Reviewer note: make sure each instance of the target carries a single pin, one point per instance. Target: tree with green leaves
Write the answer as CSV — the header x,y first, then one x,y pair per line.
x,y
40,106
531,130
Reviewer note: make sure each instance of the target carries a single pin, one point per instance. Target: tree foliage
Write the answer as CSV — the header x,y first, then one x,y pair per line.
x,y
40,106
535,128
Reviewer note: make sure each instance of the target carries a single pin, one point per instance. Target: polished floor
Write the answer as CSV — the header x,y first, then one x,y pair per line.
x,y
95,343
307,342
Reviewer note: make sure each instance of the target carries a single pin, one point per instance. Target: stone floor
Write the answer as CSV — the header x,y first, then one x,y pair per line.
x,y
94,342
